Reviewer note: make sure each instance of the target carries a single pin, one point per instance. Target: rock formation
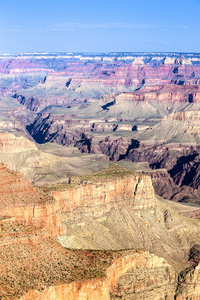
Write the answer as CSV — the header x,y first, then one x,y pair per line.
x,y
119,280
19,200
112,186
47,270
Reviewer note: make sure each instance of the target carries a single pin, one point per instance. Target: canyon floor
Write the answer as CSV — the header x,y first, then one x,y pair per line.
x,y
100,176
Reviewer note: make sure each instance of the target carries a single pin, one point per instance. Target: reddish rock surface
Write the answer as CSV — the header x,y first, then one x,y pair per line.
x,y
33,266
20,200
114,185
167,93
108,73
110,288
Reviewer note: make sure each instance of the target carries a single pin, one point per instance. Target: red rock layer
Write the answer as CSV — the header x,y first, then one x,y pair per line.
x,y
167,93
102,289
18,199
135,190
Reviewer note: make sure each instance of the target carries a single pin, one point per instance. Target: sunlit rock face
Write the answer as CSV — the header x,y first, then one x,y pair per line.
x,y
43,80
126,276
29,220
189,284
134,190
18,199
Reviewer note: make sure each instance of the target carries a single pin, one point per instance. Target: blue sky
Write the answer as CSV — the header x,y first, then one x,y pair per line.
x,y
99,26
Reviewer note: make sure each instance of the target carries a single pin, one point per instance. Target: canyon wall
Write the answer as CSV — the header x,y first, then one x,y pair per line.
x,y
20,200
129,189
166,93
10,143
136,274
162,280
43,215
188,287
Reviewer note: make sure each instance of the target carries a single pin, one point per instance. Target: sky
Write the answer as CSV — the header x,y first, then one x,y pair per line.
x,y
99,26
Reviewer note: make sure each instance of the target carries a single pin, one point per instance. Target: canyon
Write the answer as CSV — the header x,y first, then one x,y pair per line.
x,y
99,152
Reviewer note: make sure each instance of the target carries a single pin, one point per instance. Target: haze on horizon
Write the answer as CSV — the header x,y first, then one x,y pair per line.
x,y
103,26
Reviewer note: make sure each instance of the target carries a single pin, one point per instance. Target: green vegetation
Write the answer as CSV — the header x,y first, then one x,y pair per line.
x,y
112,171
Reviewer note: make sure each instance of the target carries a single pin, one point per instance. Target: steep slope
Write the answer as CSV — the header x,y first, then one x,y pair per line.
x,y
178,127
40,268
19,200
23,155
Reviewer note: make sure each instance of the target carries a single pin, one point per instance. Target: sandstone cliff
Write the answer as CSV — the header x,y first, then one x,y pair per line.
x,y
20,200
114,186
188,287
120,282
33,266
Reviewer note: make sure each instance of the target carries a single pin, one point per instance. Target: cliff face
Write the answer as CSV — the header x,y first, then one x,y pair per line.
x,y
130,283
118,188
76,79
167,93
11,144
65,130
189,120
165,187
22,155
120,282
34,266
188,287
40,268
20,200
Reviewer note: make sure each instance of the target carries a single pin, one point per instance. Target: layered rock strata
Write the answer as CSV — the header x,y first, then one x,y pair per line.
x,y
167,93
20,200
160,284
188,286
22,155
113,186
33,266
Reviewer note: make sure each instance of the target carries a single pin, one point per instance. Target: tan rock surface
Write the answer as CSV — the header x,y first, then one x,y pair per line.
x,y
22,155
189,287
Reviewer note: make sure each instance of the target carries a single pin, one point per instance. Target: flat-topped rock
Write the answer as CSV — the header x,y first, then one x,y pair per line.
x,y
114,184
